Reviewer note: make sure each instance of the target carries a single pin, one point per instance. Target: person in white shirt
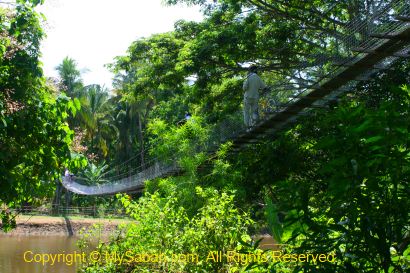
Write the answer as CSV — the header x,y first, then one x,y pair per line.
x,y
251,87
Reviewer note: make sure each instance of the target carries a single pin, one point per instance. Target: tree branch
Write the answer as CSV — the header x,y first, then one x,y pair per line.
x,y
274,10
314,11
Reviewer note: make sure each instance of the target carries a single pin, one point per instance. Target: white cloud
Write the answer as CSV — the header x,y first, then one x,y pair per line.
x,y
93,32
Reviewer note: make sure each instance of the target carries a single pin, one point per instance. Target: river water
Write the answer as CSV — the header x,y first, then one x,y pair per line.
x,y
13,248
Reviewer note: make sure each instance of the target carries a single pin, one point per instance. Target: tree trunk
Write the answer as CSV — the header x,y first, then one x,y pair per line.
x,y
67,201
141,140
57,199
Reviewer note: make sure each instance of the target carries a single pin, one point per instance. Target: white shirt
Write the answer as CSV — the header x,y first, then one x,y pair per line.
x,y
251,86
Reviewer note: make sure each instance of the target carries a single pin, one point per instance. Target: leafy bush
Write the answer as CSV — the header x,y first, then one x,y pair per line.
x,y
163,227
350,192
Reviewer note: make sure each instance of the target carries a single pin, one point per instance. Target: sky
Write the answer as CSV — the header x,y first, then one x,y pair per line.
x,y
93,32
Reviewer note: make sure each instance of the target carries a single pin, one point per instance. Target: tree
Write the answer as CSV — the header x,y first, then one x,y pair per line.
x,y
70,77
130,120
343,170
34,136
95,117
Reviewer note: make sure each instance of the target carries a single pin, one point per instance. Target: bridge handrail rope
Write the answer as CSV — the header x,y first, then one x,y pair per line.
x,y
129,172
361,36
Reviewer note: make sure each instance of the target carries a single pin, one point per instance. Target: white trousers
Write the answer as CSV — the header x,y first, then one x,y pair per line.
x,y
250,111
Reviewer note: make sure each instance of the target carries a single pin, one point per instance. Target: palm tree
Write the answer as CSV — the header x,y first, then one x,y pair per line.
x,y
130,121
95,116
70,76
126,130
140,109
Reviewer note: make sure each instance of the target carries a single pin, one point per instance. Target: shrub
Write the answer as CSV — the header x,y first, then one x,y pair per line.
x,y
162,227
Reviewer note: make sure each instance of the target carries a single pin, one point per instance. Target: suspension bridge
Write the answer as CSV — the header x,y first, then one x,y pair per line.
x,y
368,45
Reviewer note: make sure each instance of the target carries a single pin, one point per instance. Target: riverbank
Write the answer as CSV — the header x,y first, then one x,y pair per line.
x,y
64,226
72,225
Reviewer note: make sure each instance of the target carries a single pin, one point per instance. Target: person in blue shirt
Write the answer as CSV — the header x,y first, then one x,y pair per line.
x,y
187,116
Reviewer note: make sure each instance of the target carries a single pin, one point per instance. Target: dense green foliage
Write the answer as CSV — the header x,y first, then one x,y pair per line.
x,y
163,227
34,137
344,170
346,173
336,182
